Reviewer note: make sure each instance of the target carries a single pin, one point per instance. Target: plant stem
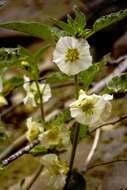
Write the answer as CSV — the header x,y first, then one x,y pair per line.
x,y
75,140
41,102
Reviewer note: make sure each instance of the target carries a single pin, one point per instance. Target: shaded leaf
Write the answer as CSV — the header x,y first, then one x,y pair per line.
x,y
87,77
12,83
38,54
3,135
83,131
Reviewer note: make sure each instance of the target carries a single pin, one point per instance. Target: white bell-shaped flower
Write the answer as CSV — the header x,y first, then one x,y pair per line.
x,y
32,92
56,137
55,171
34,129
72,55
91,109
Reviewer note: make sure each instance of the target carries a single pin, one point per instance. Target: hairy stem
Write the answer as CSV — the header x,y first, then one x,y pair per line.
x,y
75,140
41,101
22,151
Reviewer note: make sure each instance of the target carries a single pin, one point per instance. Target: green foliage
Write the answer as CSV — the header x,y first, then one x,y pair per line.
x,y
3,135
87,77
32,28
57,77
12,83
37,150
74,27
106,21
60,119
83,131
9,57
117,85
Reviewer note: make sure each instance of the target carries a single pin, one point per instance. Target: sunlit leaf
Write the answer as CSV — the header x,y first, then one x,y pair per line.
x,y
32,28
106,21
118,84
37,150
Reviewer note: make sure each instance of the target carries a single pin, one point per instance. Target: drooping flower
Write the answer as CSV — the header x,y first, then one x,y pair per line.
x,y
56,137
54,171
32,92
3,101
91,109
72,55
34,129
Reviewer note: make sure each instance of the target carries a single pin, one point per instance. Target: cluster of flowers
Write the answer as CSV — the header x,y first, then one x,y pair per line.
x,y
72,56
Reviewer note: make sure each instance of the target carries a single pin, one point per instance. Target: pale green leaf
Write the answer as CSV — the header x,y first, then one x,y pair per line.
x,y
106,21
118,84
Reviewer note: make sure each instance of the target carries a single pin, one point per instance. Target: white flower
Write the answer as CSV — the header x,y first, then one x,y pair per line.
x,y
72,55
91,109
34,129
32,92
54,170
56,137
3,101
1,84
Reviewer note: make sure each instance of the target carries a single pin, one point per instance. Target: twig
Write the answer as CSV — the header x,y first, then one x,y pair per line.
x,y
19,153
109,123
92,151
100,85
33,178
13,147
106,163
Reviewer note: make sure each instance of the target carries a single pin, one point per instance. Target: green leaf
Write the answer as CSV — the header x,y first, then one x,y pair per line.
x,y
3,135
38,54
32,28
12,83
57,77
83,131
80,19
37,150
118,84
106,21
9,57
60,119
66,27
87,77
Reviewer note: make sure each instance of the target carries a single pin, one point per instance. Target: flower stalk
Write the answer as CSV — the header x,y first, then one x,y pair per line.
x,y
41,102
75,140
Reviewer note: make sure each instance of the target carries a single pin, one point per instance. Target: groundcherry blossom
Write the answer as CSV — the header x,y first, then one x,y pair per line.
x,y
91,109
56,137
72,55
34,129
54,170
32,92
3,101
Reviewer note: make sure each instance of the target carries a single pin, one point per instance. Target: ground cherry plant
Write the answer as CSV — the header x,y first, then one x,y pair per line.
x,y
87,110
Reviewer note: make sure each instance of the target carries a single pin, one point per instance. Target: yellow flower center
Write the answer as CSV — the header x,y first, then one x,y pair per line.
x,y
88,107
53,135
72,55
